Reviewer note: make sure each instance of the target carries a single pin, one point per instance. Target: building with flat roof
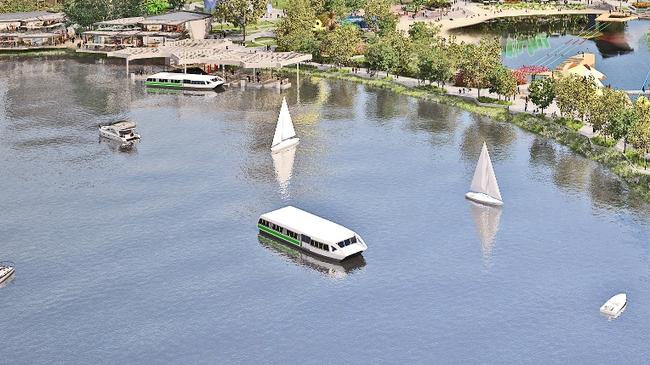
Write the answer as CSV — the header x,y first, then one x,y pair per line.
x,y
112,35
30,30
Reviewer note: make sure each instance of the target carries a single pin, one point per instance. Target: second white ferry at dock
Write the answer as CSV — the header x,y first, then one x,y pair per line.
x,y
183,81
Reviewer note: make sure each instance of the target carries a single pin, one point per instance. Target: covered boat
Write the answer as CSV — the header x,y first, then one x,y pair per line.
x,y
615,305
122,131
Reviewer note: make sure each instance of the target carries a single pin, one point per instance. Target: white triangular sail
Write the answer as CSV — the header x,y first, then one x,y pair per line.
x,y
283,165
485,181
284,128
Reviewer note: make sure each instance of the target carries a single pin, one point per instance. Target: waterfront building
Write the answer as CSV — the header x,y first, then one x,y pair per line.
x,y
113,35
32,30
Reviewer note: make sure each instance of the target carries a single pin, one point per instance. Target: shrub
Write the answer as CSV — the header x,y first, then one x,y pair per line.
x,y
603,141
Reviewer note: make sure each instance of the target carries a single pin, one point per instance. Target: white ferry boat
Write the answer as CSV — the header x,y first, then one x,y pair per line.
x,y
311,233
122,131
183,81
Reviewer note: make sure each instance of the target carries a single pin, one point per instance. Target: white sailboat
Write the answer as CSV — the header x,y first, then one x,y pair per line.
x,y
484,188
285,135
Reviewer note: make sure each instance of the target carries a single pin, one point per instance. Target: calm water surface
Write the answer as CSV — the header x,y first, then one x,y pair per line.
x,y
622,50
152,255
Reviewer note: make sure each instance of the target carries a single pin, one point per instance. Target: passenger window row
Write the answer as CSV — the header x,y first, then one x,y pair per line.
x,y
347,242
279,229
319,245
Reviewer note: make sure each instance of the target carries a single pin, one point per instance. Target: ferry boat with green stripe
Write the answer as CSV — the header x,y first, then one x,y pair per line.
x,y
183,81
311,233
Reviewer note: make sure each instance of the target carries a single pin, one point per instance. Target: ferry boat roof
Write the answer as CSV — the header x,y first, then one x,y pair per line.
x,y
180,76
312,225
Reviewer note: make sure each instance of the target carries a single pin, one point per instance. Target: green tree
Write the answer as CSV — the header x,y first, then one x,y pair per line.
x,y
379,17
604,107
502,82
575,96
542,92
241,13
295,31
381,55
640,133
176,4
341,44
622,124
435,66
87,12
424,32
155,7
478,61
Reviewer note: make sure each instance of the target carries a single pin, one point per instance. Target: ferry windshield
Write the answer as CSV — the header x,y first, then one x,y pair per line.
x,y
347,242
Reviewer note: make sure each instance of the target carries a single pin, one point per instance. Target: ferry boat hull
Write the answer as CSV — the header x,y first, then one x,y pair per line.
x,y
483,199
164,85
285,144
270,234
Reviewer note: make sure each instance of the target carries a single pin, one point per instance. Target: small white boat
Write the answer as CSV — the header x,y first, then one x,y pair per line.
x,y
122,131
614,305
484,188
285,135
183,81
6,271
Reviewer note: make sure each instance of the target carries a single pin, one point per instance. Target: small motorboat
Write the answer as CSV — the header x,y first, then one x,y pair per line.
x,y
6,271
615,305
122,131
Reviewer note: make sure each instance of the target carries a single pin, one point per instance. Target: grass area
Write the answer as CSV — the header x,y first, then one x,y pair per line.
x,y
261,42
262,25
603,141
40,53
572,124
562,131
489,100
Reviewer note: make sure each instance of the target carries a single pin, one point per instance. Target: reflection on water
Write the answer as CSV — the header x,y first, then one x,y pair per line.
x,y
122,147
499,135
283,165
486,221
621,49
333,269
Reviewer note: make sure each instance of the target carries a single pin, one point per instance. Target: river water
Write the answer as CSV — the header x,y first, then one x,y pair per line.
x,y
151,255
622,50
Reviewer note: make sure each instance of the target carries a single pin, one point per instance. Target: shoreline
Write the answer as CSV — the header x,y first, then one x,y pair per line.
x,y
608,157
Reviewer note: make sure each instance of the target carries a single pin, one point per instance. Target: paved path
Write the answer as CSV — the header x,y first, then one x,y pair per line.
x,y
518,106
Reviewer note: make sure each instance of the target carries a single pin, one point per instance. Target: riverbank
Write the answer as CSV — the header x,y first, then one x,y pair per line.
x,y
609,157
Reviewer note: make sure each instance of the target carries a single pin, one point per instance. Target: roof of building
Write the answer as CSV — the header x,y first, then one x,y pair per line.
x,y
31,15
175,18
319,228
122,21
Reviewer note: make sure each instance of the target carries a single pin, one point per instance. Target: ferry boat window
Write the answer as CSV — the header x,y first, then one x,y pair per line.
x,y
353,239
326,247
304,238
163,80
150,79
187,81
